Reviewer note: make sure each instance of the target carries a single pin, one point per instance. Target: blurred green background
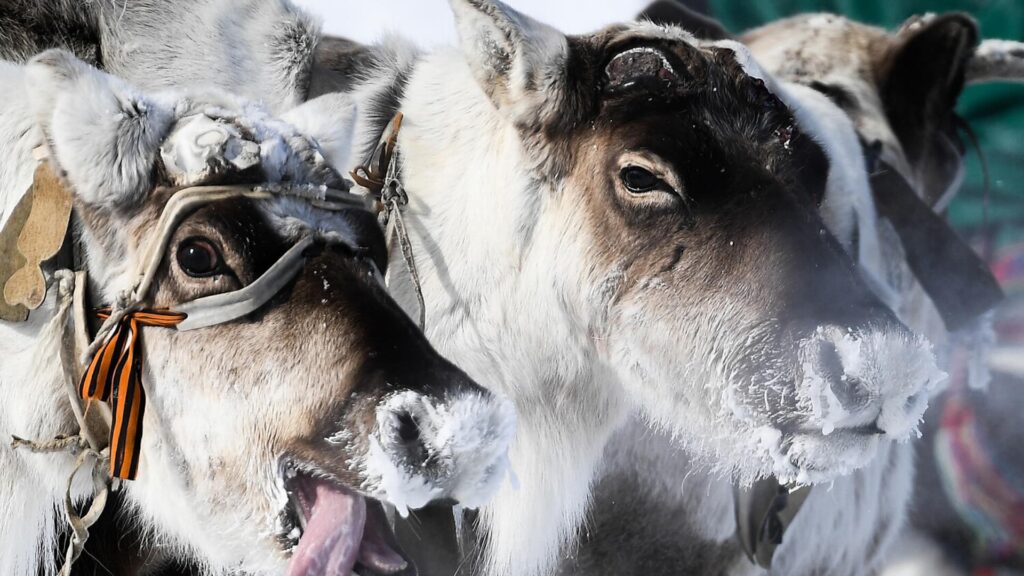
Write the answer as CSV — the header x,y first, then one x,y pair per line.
x,y
995,112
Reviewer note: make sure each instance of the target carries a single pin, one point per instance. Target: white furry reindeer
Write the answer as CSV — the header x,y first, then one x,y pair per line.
x,y
603,223
850,86
269,436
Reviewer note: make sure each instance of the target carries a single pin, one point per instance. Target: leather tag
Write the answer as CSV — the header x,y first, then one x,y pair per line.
x,y
40,239
10,259
957,280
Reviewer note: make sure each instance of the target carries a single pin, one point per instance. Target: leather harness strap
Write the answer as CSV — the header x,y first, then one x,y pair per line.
x,y
379,177
763,513
962,288
372,174
956,279
114,371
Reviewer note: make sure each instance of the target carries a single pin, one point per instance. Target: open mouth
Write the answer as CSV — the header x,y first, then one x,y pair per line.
x,y
332,531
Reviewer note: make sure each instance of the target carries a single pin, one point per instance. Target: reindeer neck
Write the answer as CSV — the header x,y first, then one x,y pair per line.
x,y
488,269
35,407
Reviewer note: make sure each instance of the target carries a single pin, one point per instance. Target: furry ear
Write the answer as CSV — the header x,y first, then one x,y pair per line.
x,y
335,138
103,134
922,76
520,63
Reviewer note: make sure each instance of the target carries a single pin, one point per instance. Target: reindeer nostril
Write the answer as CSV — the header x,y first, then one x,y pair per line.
x,y
408,429
849,390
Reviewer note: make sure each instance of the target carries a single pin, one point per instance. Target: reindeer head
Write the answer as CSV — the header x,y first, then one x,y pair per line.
x,y
662,207
900,89
267,436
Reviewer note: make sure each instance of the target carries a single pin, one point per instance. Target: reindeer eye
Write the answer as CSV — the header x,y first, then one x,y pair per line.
x,y
199,258
638,179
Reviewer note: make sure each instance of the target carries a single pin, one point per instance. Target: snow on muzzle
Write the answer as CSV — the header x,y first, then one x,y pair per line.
x,y
427,450
855,386
874,380
423,448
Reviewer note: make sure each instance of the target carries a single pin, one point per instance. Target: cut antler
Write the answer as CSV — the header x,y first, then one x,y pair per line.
x,y
997,60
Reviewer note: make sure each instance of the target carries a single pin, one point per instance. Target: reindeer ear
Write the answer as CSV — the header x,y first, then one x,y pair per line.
x,y
103,134
520,63
922,77
335,138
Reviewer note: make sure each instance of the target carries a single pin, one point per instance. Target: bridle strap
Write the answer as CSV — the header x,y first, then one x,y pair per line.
x,y
379,177
764,511
221,308
114,370
372,174
956,279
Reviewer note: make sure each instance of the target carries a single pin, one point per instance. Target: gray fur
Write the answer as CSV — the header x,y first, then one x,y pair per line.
x,y
161,45
28,27
653,523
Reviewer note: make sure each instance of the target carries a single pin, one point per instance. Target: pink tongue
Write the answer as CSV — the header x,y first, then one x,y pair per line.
x,y
334,531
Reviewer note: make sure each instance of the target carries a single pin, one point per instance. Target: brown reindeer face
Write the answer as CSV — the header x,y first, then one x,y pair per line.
x,y
900,89
711,286
268,436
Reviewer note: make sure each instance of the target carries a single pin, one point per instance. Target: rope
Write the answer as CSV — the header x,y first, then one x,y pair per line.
x,y
379,175
394,198
81,445
124,304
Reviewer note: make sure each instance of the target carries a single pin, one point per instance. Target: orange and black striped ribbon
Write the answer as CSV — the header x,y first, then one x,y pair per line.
x,y
115,374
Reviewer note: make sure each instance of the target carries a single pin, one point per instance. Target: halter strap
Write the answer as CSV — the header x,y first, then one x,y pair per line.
x,y
379,177
373,174
115,374
221,308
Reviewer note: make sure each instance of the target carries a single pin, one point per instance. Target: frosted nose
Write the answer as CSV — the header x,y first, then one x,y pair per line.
x,y
452,448
872,380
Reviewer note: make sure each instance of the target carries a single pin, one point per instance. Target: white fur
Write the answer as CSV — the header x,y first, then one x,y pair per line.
x,y
263,44
34,485
487,239
179,498
502,36
483,311
20,137
469,436
330,120
107,142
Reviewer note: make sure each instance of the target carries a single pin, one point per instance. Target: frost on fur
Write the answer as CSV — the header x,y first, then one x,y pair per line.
x,y
103,133
466,442
210,495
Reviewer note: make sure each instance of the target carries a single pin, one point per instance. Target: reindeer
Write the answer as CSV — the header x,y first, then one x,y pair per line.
x,y
601,224
847,84
900,90
271,435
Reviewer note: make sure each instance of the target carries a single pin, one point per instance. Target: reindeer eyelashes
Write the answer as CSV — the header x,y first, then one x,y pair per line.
x,y
640,180
199,258
648,190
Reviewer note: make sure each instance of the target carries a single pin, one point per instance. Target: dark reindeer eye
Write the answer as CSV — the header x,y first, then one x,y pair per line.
x,y
638,179
199,258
